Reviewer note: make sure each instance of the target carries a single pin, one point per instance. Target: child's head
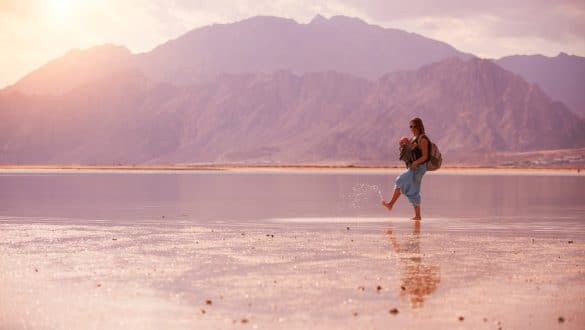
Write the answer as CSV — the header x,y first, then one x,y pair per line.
x,y
404,141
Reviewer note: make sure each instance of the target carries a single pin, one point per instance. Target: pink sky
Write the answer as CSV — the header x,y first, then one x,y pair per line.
x,y
34,31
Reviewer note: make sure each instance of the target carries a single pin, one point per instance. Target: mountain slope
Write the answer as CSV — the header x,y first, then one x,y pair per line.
x,y
469,107
76,68
255,45
561,77
269,44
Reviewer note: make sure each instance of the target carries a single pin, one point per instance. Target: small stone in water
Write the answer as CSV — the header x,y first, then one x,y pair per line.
x,y
571,242
378,288
393,311
461,318
347,228
244,321
561,319
208,302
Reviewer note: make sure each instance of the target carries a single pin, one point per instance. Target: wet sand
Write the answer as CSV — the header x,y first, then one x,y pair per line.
x,y
321,273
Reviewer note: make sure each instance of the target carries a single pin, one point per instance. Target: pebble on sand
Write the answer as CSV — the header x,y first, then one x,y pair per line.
x,y
347,228
461,318
244,321
99,285
203,311
208,302
378,288
571,242
36,270
393,311
561,319
355,314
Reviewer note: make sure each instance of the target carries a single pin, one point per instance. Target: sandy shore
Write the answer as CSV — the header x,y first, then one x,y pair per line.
x,y
293,274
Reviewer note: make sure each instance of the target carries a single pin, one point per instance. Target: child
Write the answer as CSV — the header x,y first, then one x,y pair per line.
x,y
406,153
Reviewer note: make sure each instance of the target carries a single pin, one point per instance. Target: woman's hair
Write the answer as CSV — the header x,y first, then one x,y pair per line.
x,y
418,124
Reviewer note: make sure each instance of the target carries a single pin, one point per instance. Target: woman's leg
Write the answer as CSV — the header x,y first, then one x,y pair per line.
x,y
416,213
395,196
415,197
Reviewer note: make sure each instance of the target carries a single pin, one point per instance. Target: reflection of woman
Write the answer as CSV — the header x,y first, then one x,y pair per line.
x,y
418,280
409,182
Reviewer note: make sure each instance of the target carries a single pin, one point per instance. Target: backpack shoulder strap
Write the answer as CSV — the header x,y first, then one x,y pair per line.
x,y
429,147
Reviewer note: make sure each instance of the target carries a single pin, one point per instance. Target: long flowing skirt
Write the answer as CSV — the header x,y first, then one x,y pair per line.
x,y
409,183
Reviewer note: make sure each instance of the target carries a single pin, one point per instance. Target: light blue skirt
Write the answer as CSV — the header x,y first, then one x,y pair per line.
x,y
409,183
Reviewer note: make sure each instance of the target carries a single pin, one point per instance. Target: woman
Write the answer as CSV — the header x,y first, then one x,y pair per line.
x,y
408,183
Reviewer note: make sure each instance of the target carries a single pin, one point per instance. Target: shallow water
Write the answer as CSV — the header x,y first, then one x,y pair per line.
x,y
214,250
159,197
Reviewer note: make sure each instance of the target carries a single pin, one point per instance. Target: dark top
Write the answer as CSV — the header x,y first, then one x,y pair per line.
x,y
417,150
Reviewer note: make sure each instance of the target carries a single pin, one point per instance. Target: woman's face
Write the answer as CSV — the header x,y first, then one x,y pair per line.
x,y
413,129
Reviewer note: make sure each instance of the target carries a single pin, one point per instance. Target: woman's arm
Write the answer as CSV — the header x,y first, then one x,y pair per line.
x,y
424,147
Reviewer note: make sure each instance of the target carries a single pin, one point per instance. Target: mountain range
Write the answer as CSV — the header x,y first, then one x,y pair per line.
x,y
562,77
270,90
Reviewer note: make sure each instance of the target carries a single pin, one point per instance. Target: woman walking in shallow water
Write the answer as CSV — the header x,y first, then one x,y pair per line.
x,y
408,183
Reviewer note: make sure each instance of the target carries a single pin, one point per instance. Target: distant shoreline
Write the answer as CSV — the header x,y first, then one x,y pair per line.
x,y
340,168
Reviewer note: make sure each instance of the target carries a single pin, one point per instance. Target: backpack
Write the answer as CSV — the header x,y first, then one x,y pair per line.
x,y
435,159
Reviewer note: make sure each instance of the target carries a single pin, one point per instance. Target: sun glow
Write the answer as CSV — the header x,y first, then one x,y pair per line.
x,y
62,10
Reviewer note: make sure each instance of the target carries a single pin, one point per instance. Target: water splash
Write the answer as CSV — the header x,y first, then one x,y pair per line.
x,y
362,192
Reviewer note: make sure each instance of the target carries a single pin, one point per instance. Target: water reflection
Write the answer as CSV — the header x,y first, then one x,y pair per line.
x,y
418,279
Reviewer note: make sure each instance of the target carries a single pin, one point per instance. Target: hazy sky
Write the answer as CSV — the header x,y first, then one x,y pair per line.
x,y
35,31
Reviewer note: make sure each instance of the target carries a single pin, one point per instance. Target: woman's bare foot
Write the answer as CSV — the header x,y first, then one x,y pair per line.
x,y
415,218
388,205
